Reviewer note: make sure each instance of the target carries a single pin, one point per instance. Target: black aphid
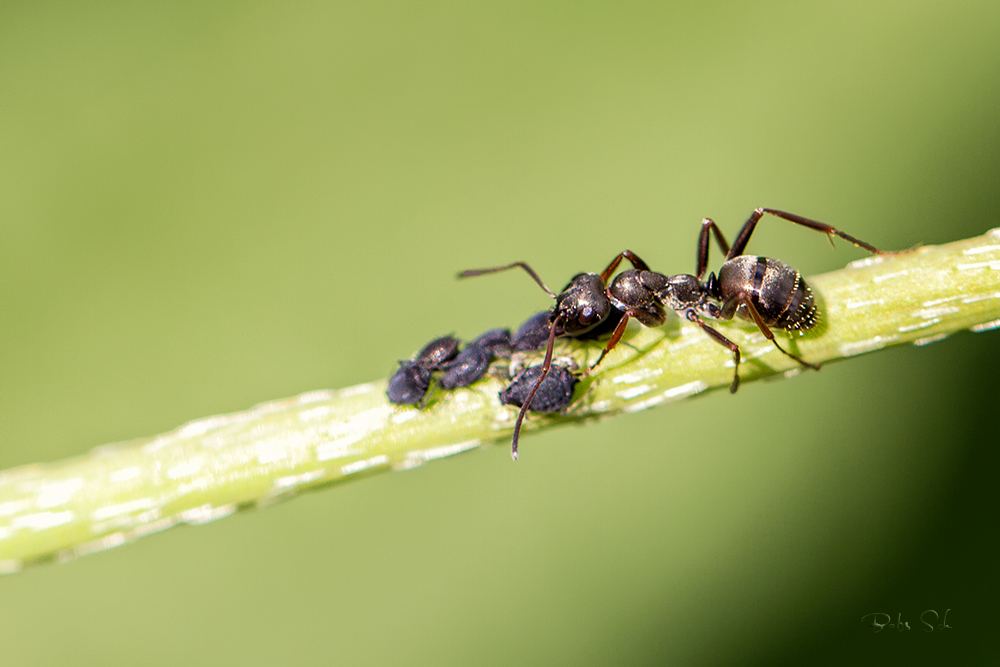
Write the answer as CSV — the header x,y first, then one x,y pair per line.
x,y
409,384
472,363
438,352
533,333
495,341
553,394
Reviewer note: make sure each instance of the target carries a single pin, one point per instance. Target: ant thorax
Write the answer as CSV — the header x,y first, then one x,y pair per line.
x,y
684,292
636,292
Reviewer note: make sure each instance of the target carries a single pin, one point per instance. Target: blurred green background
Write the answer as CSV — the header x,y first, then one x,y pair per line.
x,y
208,205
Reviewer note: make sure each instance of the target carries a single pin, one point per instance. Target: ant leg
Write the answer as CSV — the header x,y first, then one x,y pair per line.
x,y
615,337
725,342
706,225
637,262
546,365
759,321
741,241
497,269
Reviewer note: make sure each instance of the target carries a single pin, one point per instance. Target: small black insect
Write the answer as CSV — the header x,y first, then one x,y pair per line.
x,y
472,363
495,341
550,395
766,291
409,384
533,334
438,352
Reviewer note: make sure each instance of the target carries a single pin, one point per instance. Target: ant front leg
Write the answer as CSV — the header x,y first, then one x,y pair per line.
x,y
707,224
637,262
744,237
725,342
615,337
745,301
496,269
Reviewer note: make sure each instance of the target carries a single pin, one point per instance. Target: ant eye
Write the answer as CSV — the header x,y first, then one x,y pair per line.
x,y
587,313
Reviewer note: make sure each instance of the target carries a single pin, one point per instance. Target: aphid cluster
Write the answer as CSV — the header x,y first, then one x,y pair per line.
x,y
409,384
765,291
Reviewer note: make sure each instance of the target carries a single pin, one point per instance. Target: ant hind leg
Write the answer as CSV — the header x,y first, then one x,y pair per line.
x,y
708,225
740,244
759,321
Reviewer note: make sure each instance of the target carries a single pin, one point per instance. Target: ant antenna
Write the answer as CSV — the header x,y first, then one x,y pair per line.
x,y
496,269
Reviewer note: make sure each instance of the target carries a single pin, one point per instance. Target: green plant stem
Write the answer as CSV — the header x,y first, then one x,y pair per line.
x,y
209,468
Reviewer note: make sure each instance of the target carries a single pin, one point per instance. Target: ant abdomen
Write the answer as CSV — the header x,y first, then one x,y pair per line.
x,y
778,292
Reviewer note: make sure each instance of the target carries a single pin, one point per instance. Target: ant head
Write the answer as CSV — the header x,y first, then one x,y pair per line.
x,y
582,305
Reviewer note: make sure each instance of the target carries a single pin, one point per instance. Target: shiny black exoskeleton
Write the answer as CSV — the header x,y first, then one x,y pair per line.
x,y
409,384
553,393
472,363
765,291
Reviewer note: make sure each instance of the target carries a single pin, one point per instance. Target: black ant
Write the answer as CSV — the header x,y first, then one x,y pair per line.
x,y
765,291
